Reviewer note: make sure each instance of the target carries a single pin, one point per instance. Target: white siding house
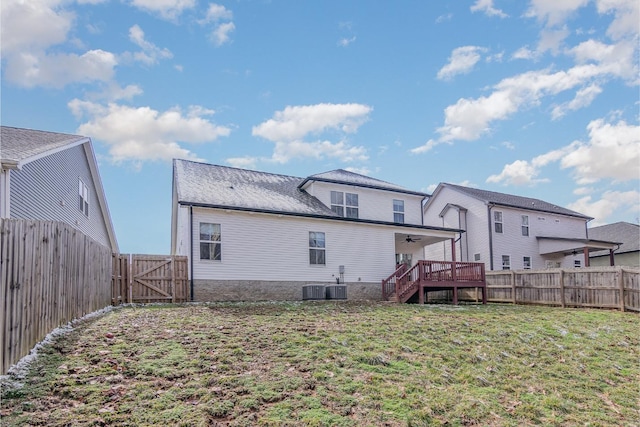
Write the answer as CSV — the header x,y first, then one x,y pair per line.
x,y
508,232
53,176
627,251
259,236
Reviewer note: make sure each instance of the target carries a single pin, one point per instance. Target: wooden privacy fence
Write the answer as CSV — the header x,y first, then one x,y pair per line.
x,y
149,278
50,274
598,287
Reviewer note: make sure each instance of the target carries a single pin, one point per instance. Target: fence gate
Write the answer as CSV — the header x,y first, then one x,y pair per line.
x,y
149,278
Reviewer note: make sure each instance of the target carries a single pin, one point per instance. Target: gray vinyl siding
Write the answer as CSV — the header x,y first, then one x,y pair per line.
x,y
47,189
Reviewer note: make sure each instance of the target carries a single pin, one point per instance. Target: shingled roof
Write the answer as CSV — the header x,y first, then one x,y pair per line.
x,y
626,233
226,187
509,200
18,145
341,176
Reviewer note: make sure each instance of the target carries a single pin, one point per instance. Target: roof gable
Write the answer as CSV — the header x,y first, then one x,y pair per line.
x,y
222,186
19,146
341,176
509,200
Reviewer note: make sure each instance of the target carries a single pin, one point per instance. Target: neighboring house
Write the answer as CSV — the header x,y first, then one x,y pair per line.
x,y
508,232
260,236
628,251
53,176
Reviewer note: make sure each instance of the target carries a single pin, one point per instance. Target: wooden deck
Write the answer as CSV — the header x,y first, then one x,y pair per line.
x,y
428,276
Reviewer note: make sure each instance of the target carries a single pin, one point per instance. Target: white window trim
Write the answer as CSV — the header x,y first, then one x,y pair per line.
x,y
525,225
83,194
214,242
508,264
397,211
524,265
318,248
344,206
496,222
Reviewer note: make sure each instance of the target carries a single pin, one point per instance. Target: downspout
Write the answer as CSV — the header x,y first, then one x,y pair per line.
x,y
489,207
191,246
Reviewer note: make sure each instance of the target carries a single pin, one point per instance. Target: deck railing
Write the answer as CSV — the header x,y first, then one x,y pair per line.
x,y
389,284
431,273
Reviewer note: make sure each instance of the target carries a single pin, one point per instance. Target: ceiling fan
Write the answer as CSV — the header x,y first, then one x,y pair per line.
x,y
409,239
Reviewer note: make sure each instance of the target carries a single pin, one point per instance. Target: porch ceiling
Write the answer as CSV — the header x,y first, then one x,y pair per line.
x,y
562,247
417,240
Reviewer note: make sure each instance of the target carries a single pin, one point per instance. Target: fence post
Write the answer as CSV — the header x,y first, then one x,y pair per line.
x,y
620,279
562,301
513,287
130,278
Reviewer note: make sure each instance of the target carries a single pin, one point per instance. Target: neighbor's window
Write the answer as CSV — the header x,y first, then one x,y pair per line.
x,y
497,220
525,225
526,262
210,241
344,204
316,248
577,263
476,257
83,196
506,262
398,211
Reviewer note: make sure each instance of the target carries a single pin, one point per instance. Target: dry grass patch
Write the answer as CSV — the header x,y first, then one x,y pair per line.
x,y
336,364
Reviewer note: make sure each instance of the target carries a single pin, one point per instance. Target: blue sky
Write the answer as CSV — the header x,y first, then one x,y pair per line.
x,y
537,98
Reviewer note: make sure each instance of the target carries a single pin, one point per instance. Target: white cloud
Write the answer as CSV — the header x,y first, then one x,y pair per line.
x,y
427,146
486,6
151,53
554,12
551,40
216,13
610,202
613,152
166,9
461,61
344,42
221,34
33,25
626,17
38,69
443,18
291,126
362,171
142,133
246,162
584,97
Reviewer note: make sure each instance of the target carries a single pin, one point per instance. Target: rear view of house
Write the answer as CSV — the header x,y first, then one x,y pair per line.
x,y
54,177
253,235
508,232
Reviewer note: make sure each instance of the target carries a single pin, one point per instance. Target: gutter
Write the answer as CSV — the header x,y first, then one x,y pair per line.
x,y
489,207
191,246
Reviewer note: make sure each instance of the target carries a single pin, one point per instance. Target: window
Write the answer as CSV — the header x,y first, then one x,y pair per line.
x,y
352,205
344,206
83,196
476,257
316,248
210,241
576,263
506,262
398,211
526,262
497,220
337,202
525,225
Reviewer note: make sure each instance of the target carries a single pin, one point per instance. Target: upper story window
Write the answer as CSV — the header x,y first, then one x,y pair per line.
x,y
497,221
398,211
210,241
317,255
83,196
344,204
525,225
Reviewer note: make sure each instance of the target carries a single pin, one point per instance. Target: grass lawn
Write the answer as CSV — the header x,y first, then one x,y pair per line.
x,y
336,364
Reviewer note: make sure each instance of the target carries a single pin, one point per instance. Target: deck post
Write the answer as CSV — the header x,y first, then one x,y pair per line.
x,y
586,256
421,294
